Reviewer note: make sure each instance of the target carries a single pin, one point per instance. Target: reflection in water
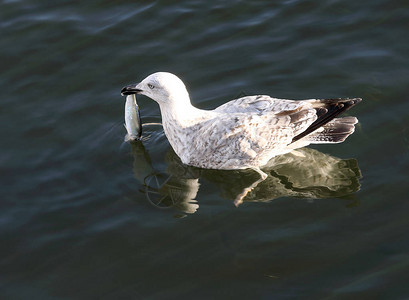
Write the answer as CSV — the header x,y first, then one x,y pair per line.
x,y
306,173
177,188
179,193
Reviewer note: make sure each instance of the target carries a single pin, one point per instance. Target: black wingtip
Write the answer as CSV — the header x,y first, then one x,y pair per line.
x,y
330,110
336,102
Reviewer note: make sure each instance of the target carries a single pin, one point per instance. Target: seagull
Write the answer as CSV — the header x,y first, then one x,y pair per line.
x,y
244,133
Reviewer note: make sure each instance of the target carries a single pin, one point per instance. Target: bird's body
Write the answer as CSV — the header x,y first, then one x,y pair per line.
x,y
245,132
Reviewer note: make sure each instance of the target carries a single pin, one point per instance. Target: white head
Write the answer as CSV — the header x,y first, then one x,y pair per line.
x,y
165,88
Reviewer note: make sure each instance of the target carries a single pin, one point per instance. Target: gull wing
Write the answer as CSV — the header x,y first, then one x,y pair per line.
x,y
261,104
326,110
254,129
247,136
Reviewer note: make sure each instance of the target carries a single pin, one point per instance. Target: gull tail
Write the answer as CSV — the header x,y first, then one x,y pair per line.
x,y
335,131
327,128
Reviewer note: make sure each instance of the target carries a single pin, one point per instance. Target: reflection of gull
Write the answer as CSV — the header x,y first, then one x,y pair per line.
x,y
309,174
243,133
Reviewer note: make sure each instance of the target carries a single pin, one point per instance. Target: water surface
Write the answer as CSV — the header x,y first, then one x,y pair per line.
x,y
85,216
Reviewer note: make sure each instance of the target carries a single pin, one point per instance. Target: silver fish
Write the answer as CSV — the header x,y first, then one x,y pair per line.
x,y
133,123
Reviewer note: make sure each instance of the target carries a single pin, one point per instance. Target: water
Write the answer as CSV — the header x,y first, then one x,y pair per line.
x,y
85,216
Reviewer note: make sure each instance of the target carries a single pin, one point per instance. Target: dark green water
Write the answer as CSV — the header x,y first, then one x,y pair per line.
x,y
81,213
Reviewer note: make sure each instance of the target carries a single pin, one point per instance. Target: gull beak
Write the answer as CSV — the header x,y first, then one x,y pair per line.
x,y
130,90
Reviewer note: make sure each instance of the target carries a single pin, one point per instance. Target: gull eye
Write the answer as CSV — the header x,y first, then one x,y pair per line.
x,y
151,86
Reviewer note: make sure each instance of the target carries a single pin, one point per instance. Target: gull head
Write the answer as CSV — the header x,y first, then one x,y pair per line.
x,y
164,88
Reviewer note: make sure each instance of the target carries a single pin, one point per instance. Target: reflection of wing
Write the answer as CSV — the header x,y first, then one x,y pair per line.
x,y
314,168
309,174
